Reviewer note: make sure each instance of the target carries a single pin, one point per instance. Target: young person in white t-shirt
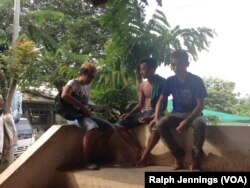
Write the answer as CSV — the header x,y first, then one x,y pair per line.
x,y
80,87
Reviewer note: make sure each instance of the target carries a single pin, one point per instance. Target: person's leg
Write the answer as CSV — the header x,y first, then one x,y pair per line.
x,y
123,129
165,125
127,136
89,141
107,129
104,139
199,126
153,139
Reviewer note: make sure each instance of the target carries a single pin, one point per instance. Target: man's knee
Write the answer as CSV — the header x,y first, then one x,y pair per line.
x,y
162,124
199,122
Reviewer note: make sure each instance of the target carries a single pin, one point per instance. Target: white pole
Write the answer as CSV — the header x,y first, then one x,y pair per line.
x,y
14,39
16,21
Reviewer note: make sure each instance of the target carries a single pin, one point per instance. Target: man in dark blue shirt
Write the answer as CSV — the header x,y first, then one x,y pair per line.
x,y
188,92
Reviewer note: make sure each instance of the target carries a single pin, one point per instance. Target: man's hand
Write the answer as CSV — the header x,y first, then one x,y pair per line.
x,y
183,126
86,111
151,123
124,116
145,119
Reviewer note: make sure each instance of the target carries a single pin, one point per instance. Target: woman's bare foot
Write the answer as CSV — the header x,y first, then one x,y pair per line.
x,y
195,166
178,164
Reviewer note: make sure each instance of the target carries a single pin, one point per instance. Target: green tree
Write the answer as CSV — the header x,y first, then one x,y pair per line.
x,y
14,58
70,34
133,39
242,107
221,96
13,64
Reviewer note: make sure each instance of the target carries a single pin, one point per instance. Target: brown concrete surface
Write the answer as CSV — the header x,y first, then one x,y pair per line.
x,y
109,176
227,148
36,167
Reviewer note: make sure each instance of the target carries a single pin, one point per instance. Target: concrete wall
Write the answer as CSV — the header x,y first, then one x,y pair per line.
x,y
60,145
227,148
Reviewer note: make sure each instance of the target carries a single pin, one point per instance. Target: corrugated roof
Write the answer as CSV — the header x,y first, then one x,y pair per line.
x,y
36,99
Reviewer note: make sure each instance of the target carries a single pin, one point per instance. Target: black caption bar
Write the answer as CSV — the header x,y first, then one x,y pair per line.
x,y
199,179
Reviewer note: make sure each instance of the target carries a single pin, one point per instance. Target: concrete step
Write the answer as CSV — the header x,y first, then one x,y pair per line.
x,y
110,176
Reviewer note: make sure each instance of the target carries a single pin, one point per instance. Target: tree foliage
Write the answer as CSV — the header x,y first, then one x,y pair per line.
x,y
221,97
133,39
13,64
220,94
71,32
243,106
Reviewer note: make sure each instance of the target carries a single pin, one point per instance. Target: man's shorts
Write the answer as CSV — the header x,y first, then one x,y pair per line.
x,y
88,123
133,121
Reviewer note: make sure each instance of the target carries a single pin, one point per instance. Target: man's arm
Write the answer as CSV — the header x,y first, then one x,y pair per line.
x,y
161,103
138,107
196,112
158,109
66,95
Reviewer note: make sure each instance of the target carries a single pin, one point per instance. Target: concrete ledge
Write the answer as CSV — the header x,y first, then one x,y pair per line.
x,y
227,148
36,167
112,176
